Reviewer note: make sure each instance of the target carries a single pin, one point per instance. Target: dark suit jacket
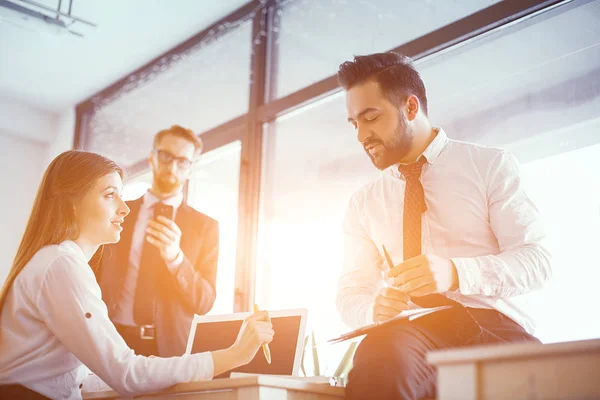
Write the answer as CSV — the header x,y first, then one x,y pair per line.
x,y
190,290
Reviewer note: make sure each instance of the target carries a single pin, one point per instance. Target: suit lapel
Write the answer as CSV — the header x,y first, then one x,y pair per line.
x,y
185,222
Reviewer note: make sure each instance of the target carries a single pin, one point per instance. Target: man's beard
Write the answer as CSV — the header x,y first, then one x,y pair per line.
x,y
167,186
396,149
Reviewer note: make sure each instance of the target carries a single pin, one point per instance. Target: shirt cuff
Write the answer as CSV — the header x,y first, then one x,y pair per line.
x,y
171,265
468,275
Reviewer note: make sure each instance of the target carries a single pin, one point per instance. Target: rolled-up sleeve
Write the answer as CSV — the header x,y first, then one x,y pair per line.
x,y
361,273
71,304
524,262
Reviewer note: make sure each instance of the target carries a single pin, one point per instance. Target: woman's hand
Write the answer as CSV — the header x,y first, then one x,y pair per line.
x,y
256,330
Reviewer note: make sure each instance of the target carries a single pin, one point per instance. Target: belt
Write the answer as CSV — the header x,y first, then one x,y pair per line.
x,y
145,332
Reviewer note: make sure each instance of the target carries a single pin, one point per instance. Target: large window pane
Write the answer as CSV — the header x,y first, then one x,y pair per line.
x,y
135,187
312,164
213,190
200,89
523,87
566,189
314,36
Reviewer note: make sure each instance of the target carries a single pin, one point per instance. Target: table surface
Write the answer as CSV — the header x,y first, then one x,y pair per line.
x,y
289,383
511,351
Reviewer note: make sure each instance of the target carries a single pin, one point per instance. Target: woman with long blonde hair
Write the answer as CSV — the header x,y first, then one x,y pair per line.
x,y
53,322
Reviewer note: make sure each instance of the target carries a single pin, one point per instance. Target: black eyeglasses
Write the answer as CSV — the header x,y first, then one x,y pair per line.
x,y
164,157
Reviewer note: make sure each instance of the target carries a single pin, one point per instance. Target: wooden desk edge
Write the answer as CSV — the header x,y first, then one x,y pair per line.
x,y
289,383
511,350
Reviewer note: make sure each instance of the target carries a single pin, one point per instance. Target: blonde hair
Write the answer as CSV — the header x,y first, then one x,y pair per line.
x,y
183,133
53,216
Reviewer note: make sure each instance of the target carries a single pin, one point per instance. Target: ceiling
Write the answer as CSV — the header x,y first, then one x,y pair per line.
x,y
54,72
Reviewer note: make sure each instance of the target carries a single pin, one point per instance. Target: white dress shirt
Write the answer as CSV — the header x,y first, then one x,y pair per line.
x,y
54,321
478,215
124,312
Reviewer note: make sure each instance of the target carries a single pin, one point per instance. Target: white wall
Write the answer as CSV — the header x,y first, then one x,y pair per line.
x,y
29,139
64,134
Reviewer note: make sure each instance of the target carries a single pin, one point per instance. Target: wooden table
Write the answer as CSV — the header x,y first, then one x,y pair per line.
x,y
246,388
569,370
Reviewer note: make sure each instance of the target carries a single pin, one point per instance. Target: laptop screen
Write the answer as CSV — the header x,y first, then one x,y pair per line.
x,y
216,334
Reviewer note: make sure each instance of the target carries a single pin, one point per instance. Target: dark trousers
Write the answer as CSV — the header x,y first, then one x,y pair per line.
x,y
13,392
143,347
391,364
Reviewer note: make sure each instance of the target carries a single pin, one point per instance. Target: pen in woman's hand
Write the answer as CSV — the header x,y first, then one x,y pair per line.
x,y
265,346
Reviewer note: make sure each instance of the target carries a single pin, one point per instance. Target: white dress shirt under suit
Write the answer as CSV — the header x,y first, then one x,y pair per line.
x,y
478,215
54,321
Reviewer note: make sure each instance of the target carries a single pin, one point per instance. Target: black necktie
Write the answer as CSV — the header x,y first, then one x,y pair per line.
x,y
145,289
414,207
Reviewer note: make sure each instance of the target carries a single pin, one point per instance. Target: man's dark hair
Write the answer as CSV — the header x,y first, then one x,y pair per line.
x,y
394,72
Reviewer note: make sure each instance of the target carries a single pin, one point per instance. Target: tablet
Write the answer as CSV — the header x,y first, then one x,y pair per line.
x,y
216,332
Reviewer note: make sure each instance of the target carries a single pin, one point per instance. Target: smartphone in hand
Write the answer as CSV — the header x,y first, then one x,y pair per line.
x,y
165,210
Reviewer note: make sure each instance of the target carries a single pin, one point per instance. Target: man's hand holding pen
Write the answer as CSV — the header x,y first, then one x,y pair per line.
x,y
424,274
419,276
389,303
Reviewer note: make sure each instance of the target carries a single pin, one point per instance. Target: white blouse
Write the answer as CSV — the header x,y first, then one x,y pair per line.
x,y
54,321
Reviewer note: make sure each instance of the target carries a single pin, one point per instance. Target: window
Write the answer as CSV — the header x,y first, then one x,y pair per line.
x,y
199,89
312,164
312,37
566,189
213,190
135,187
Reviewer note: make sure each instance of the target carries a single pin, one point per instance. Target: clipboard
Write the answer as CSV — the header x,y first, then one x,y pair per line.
x,y
403,317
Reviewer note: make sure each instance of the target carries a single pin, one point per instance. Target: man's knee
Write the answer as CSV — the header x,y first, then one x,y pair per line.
x,y
399,348
394,363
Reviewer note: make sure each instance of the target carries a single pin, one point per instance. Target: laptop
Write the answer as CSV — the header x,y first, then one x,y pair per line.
x,y
216,332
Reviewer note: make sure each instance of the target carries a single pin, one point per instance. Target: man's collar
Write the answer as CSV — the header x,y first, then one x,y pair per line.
x,y
432,152
436,146
150,199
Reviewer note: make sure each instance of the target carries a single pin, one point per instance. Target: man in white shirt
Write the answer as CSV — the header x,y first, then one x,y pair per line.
x,y
456,223
164,268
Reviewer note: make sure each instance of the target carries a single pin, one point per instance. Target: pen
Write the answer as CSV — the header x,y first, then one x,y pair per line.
x,y
387,257
265,346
